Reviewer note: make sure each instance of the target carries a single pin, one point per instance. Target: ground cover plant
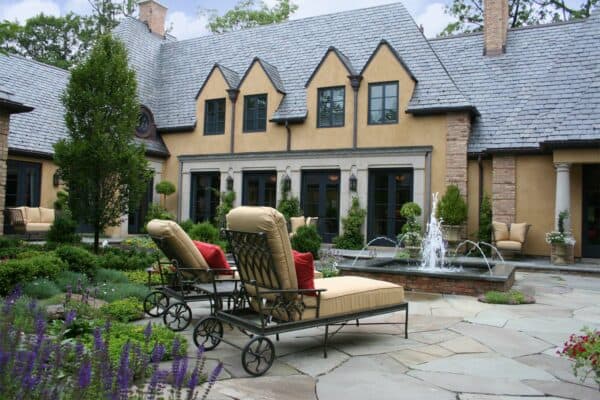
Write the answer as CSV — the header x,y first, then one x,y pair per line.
x,y
511,297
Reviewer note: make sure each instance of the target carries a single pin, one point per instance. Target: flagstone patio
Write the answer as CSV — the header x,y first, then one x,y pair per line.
x,y
458,348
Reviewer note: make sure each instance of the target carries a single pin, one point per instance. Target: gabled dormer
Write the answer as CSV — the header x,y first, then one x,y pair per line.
x,y
269,70
341,57
230,77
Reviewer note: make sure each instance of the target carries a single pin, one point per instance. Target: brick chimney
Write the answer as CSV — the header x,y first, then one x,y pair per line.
x,y
495,26
153,14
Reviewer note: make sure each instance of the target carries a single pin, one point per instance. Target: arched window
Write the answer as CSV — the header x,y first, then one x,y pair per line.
x,y
145,127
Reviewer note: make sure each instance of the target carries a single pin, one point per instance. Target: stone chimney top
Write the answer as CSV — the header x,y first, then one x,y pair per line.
x,y
495,26
153,14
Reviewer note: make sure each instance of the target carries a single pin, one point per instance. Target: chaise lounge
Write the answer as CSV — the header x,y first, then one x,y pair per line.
x,y
261,247
192,279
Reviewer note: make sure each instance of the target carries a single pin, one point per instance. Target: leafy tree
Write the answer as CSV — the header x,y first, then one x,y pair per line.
x,y
166,188
250,13
105,172
469,13
108,13
58,41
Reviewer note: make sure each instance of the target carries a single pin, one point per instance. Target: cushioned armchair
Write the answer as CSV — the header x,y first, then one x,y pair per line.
x,y
509,240
31,220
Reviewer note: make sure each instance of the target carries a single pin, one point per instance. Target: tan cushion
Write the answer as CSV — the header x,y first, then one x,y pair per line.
x,y
33,214
176,244
47,215
348,294
518,232
37,227
312,221
508,245
500,231
297,222
273,224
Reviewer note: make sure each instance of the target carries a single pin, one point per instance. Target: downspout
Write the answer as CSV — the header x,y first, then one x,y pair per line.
x,y
480,169
289,135
179,183
233,95
427,205
355,83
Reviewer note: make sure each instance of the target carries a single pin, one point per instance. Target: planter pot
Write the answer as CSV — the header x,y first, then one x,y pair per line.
x,y
561,254
414,252
452,233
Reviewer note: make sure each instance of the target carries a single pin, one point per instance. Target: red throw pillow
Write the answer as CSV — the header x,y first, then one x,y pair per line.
x,y
305,270
214,256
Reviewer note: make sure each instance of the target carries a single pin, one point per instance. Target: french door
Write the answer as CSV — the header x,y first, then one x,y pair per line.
x,y
260,189
590,237
205,195
321,198
23,186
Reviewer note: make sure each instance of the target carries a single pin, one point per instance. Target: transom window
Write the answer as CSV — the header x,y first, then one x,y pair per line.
x,y
255,113
214,117
330,111
383,103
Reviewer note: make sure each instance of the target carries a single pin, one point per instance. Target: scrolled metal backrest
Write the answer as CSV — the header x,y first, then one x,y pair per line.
x,y
254,260
197,274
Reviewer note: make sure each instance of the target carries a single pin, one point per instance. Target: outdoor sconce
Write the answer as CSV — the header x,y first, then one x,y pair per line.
x,y
56,179
229,183
287,183
353,183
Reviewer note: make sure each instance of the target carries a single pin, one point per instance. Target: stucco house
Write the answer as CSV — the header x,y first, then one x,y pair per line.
x,y
357,103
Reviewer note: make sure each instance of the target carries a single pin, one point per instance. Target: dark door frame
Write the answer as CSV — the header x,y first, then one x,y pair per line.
x,y
323,181
213,192
590,175
137,219
390,172
262,181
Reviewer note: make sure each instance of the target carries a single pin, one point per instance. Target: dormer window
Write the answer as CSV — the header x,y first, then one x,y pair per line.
x,y
214,117
383,103
330,110
255,113
145,127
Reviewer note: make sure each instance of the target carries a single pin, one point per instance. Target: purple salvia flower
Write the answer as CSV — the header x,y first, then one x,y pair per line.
x,y
79,350
98,342
155,381
158,353
70,317
85,375
148,331
32,305
124,373
215,373
194,379
180,375
69,294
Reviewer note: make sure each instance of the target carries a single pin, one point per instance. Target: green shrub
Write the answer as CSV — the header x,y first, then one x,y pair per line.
x,y
63,229
207,232
110,276
28,253
307,239
124,260
187,225
78,258
13,272
452,208
41,289
141,277
140,242
73,279
510,297
9,242
11,252
116,291
289,206
352,238
226,204
485,220
125,310
156,211
62,200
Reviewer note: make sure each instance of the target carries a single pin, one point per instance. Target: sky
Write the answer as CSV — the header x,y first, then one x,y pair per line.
x,y
187,19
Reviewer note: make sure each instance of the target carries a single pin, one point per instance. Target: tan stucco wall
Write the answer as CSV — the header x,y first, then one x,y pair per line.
x,y
47,190
308,136
584,156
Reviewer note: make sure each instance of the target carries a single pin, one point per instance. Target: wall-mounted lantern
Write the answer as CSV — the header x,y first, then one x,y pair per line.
x,y
353,183
287,183
56,179
229,183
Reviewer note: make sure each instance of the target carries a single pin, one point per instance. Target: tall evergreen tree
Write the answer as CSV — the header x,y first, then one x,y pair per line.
x,y
105,172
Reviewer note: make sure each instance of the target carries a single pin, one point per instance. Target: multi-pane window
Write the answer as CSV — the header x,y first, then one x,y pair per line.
x,y
255,113
330,111
214,117
383,103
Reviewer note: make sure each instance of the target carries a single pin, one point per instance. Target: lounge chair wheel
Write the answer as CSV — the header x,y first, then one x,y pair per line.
x,y
258,355
177,316
208,333
155,304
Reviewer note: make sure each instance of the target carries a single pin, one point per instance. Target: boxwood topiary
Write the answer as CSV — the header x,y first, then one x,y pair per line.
x,y
452,208
307,239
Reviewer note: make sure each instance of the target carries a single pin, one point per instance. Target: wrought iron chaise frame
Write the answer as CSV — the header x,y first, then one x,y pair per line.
x,y
185,285
275,310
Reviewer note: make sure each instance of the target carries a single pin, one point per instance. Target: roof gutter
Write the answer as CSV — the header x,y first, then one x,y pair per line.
x,y
442,110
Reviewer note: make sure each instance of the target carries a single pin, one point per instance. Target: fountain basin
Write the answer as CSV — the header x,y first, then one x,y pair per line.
x,y
472,279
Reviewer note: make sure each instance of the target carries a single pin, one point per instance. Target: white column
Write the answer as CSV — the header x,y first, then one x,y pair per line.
x,y
563,193
184,192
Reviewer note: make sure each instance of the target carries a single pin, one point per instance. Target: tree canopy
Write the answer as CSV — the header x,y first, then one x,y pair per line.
x,y
250,13
469,13
105,171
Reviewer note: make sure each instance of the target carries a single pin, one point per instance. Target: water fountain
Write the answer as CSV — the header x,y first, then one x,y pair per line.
x,y
436,272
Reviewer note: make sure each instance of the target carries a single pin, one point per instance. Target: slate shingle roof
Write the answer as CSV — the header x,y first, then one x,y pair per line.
x,y
545,88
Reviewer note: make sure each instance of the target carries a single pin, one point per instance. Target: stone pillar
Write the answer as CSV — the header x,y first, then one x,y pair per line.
x,y
495,26
563,193
4,121
459,128
504,193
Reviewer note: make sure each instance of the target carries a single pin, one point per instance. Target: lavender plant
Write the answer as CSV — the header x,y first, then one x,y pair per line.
x,y
38,366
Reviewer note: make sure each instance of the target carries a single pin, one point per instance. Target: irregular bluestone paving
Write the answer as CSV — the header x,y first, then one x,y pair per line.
x,y
458,348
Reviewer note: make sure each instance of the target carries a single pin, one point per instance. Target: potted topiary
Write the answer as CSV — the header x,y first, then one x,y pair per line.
x,y
166,188
411,231
452,211
561,242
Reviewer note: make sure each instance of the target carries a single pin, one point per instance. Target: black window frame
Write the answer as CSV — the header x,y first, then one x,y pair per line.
x,y
383,85
217,124
331,125
256,113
